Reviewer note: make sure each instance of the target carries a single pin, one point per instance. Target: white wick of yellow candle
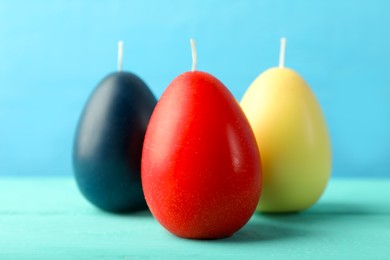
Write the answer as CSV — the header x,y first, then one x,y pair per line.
x,y
120,56
193,51
282,52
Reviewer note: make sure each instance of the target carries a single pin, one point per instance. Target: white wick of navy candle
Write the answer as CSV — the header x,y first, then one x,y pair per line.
x,y
282,52
120,56
193,51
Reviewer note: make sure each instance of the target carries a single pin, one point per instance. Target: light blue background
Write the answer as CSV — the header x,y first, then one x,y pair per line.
x,y
53,53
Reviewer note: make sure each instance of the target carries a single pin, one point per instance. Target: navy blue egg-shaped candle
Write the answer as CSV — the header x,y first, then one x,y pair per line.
x,y
109,139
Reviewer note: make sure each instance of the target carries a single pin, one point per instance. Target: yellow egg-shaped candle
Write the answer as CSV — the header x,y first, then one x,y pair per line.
x,y
292,137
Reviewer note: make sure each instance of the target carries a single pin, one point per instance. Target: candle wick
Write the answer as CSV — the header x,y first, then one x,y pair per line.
x,y
282,52
120,56
193,51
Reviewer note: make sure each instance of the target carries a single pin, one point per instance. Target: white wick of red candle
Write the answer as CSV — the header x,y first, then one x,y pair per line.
x,y
282,52
120,56
193,51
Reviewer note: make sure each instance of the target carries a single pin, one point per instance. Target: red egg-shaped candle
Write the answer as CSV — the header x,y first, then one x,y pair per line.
x,y
200,170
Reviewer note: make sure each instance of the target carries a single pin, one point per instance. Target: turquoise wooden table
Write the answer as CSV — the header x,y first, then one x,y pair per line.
x,y
46,218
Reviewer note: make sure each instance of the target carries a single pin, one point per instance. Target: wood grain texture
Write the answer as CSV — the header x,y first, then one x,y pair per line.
x,y
47,218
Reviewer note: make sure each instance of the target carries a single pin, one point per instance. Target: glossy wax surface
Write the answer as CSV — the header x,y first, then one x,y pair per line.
x,y
108,143
200,167
293,140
